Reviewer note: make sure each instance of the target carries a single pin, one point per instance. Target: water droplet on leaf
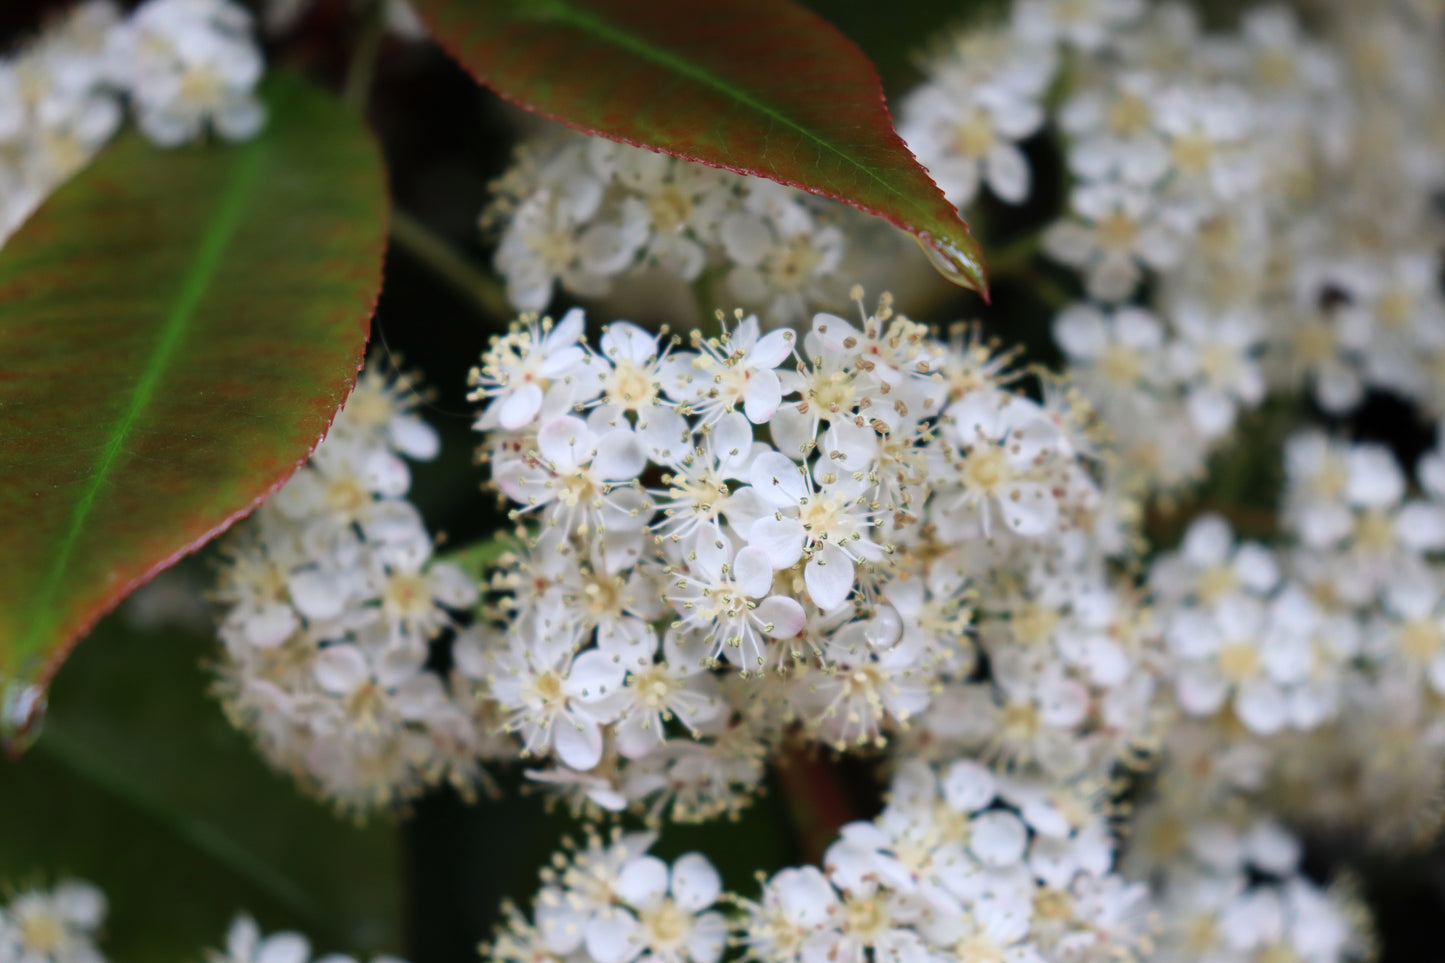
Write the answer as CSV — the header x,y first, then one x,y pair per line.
x,y
960,266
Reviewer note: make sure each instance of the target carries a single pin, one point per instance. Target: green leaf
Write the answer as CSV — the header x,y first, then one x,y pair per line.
x,y
177,330
138,784
478,558
762,87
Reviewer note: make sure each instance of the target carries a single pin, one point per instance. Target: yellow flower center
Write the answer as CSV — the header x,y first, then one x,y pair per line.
x,y
42,932
1239,662
974,136
1129,115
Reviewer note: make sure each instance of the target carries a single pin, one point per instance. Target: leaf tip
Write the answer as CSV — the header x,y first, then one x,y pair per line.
x,y
960,263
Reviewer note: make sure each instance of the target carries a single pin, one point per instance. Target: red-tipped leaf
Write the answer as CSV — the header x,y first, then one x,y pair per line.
x,y
177,329
763,87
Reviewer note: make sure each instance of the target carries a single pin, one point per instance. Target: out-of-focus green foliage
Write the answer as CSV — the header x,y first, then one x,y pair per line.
x,y
139,785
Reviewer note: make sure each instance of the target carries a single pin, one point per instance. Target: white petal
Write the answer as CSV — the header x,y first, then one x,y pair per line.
x,y
625,341
594,675
518,407
762,396
643,881
451,586
340,669
612,937
732,438
620,456
1029,508
578,743
284,948
317,595
777,480
781,617
413,437
384,473
997,838
566,441
696,885
1008,173
753,571
772,349
829,577
968,786
780,538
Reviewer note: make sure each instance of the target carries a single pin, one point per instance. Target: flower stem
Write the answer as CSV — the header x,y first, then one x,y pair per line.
x,y
443,260
362,66
816,798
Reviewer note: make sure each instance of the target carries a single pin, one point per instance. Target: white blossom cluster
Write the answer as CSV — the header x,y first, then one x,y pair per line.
x,y
962,864
751,534
245,943
1315,668
1249,211
332,599
1228,888
611,901
60,925
184,66
56,925
582,213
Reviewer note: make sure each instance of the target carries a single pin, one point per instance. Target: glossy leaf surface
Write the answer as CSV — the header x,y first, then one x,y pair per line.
x,y
177,329
762,87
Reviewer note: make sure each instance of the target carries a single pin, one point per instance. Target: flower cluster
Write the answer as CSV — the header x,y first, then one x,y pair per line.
x,y
610,901
332,599
582,213
183,64
59,926
962,864
245,943
753,532
52,926
1313,667
1272,187
1228,887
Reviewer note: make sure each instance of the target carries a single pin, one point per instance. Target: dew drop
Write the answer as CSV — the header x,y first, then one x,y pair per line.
x,y
954,263
22,712
885,628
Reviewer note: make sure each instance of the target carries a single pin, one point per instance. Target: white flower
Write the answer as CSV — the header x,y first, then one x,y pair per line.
x,y
728,595
679,687
666,914
52,926
738,368
1214,356
245,944
1121,231
1113,131
970,136
582,479
1089,25
557,704
784,260
1000,446
191,64
534,370
1117,353
825,520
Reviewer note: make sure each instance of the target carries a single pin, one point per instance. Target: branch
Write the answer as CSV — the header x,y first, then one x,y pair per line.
x,y
443,260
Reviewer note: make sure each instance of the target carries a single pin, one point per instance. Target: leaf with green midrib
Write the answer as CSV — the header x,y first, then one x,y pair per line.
x,y
763,87
178,328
